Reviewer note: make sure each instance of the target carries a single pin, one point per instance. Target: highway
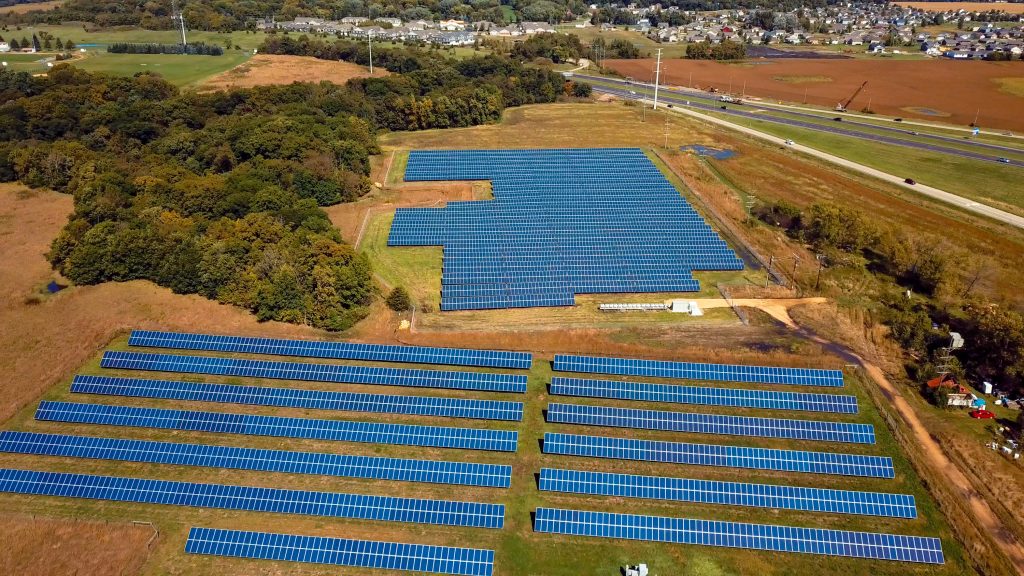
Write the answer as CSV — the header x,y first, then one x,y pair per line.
x,y
711,104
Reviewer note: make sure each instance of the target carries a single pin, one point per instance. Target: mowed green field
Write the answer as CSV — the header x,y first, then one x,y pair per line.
x,y
518,549
178,69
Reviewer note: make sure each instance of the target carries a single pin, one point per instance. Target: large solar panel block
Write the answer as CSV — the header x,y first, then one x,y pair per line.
x,y
698,371
719,455
333,350
704,395
227,423
341,552
563,222
229,497
297,398
766,537
822,500
315,372
204,455
711,423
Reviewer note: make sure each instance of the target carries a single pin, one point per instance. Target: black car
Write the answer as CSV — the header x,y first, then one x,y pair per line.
x,y
910,181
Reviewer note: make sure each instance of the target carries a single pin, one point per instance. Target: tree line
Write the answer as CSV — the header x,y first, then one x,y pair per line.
x,y
942,282
197,48
725,50
564,47
430,90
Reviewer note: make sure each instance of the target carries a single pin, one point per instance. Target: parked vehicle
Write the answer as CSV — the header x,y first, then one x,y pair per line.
x,y
981,414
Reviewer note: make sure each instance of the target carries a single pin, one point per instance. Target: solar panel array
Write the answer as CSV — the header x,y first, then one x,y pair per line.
x,y
698,371
230,457
334,350
225,497
293,398
341,552
718,455
711,423
740,535
315,372
703,395
562,222
728,493
340,430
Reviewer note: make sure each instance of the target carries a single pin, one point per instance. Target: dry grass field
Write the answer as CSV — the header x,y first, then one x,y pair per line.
x,y
37,546
895,87
265,69
1012,8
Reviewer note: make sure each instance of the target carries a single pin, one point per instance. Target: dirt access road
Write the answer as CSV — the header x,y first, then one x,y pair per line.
x,y
943,467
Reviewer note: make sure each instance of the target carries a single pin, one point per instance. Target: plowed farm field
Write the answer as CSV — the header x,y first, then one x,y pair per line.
x,y
939,90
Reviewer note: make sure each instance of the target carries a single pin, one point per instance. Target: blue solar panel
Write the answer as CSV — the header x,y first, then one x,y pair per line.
x,y
728,493
341,552
334,350
228,497
702,395
717,455
373,467
698,371
226,423
566,221
740,535
315,372
711,423
294,398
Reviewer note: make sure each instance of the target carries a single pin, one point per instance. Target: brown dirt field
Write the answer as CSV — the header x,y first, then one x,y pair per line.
x,y
1017,8
265,69
23,8
895,87
72,546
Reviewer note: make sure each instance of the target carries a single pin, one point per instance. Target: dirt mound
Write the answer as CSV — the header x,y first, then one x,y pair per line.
x,y
895,87
266,69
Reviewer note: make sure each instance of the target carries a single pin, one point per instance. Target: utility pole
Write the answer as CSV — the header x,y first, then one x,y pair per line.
x,y
369,42
180,17
657,79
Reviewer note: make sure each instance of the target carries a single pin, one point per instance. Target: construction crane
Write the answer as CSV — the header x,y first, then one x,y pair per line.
x,y
841,107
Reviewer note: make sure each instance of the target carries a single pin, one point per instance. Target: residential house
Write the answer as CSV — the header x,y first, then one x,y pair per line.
x,y
451,25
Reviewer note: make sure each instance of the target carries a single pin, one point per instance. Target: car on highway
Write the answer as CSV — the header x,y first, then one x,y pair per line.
x,y
910,181
838,118
789,142
633,92
981,414
1003,160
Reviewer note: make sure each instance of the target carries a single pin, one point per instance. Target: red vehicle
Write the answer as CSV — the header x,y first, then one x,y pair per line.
x,y
982,414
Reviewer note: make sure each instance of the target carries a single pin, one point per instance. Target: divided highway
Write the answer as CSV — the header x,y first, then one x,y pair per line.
x,y
711,104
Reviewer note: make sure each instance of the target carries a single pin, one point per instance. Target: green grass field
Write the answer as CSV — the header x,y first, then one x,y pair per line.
x,y
518,549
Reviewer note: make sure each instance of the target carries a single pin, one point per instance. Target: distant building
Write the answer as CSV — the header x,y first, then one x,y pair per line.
x,y
5,47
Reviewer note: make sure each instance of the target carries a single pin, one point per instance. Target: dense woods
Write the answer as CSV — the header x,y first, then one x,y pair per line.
x,y
942,281
563,47
197,48
431,91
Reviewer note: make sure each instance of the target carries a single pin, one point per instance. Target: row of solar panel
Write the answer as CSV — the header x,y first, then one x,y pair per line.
x,y
229,497
740,535
296,398
231,457
711,423
315,372
702,395
452,291
341,552
698,370
333,350
449,304
719,455
578,280
728,493
282,427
